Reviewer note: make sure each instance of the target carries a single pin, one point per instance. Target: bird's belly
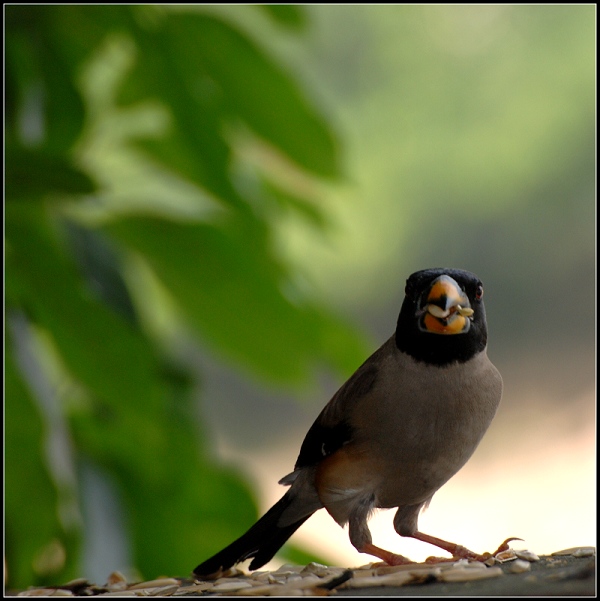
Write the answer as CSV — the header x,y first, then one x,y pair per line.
x,y
422,446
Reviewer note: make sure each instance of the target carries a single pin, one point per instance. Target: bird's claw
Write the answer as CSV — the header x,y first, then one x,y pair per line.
x,y
433,559
460,552
505,546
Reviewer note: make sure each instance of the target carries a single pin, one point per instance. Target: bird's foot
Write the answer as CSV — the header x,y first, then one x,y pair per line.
x,y
434,559
458,551
388,558
503,547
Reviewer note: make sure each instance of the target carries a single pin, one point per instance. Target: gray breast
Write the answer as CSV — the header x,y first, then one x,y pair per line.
x,y
426,422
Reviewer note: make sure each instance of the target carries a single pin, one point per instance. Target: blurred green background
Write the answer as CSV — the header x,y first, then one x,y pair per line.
x,y
210,214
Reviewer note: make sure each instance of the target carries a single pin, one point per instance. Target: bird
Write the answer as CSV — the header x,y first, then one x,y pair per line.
x,y
395,432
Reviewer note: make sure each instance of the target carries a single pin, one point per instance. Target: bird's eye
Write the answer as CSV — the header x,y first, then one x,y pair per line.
x,y
479,292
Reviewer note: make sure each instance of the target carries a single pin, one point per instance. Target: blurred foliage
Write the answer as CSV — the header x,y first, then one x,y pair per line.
x,y
164,179
123,394
470,133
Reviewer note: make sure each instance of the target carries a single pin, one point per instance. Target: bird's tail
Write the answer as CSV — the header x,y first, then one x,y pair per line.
x,y
261,542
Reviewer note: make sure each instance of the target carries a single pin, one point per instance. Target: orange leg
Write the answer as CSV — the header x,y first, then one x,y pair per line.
x,y
387,556
458,551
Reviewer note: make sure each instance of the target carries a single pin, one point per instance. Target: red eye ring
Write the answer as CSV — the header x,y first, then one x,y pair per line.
x,y
479,292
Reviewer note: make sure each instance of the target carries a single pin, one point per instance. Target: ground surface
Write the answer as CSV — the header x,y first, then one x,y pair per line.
x,y
513,573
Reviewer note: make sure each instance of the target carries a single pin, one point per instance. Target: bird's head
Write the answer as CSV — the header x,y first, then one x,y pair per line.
x,y
442,319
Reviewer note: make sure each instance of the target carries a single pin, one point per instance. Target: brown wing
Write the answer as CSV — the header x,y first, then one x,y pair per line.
x,y
331,429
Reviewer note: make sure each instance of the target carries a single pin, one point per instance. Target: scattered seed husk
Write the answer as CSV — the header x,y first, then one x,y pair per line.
x,y
154,583
77,583
313,579
526,555
336,581
116,582
462,564
316,568
230,586
45,592
519,566
580,551
288,568
463,575
584,552
128,593
199,587
259,576
164,591
264,590
384,570
504,556
393,579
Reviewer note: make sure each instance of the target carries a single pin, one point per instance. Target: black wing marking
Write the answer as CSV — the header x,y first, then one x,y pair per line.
x,y
330,430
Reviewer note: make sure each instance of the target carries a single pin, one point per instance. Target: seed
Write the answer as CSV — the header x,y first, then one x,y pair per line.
x,y
504,556
39,592
154,583
198,588
463,564
397,578
527,555
518,566
315,569
77,583
463,575
127,593
437,311
230,586
116,582
260,591
577,551
584,552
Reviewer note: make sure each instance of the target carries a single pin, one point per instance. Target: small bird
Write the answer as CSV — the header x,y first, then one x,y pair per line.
x,y
398,429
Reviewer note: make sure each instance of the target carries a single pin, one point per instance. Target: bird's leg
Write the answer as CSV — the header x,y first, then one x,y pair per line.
x,y
458,551
387,556
452,548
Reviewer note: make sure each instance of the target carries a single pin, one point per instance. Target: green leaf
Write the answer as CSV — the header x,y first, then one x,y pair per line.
x,y
192,518
135,416
31,497
43,78
195,146
227,285
35,174
289,15
92,340
313,214
210,75
253,88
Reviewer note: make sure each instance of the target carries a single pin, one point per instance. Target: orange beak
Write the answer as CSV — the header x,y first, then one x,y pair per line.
x,y
447,310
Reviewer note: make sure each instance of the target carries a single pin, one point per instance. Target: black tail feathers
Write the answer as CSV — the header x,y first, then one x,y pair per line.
x,y
261,542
